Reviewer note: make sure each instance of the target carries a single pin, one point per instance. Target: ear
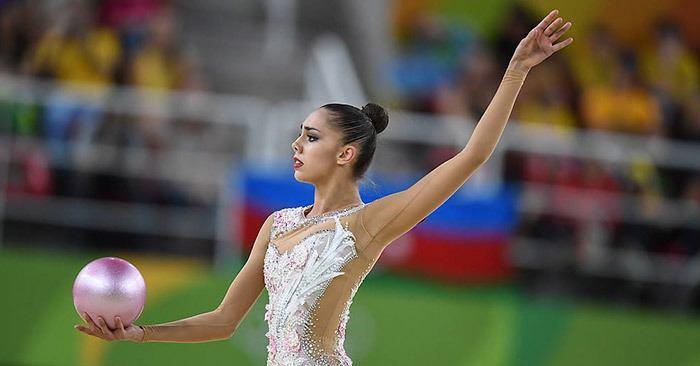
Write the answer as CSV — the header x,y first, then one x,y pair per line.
x,y
346,155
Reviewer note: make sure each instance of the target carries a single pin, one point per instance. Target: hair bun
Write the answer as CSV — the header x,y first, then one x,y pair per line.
x,y
377,114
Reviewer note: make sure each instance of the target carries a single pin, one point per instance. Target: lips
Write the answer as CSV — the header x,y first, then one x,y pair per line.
x,y
297,163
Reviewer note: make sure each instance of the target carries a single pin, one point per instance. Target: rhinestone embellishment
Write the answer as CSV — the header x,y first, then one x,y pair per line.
x,y
296,279
289,219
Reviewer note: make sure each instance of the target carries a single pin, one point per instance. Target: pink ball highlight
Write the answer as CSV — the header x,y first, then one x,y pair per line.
x,y
110,287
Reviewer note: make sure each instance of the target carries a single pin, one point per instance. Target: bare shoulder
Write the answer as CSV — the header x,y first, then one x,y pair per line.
x,y
377,213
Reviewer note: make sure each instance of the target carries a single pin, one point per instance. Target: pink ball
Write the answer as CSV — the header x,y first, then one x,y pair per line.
x,y
110,287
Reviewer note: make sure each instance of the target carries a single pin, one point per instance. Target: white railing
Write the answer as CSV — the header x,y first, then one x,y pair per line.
x,y
268,130
330,74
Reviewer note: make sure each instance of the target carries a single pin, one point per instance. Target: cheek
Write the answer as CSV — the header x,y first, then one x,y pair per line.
x,y
320,157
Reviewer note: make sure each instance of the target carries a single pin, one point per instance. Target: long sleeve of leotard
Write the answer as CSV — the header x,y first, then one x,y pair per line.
x,y
223,321
391,216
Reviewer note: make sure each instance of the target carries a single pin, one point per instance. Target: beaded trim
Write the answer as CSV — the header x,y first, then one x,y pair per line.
x,y
313,282
290,219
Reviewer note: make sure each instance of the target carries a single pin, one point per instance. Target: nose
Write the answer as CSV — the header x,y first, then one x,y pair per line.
x,y
295,146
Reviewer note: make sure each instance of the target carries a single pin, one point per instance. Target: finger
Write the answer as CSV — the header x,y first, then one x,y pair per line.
x,y
560,32
547,19
553,26
532,35
104,328
86,330
562,44
530,38
120,327
91,322
86,318
82,328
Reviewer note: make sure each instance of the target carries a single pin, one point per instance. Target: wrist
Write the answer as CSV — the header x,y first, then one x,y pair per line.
x,y
143,335
518,67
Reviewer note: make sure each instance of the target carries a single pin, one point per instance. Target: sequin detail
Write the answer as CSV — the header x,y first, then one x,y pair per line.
x,y
288,219
296,279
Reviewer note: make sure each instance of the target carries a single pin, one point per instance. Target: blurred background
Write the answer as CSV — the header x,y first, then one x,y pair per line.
x,y
159,131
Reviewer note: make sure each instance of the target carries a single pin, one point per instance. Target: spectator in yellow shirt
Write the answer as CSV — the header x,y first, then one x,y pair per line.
x,y
82,57
669,66
625,105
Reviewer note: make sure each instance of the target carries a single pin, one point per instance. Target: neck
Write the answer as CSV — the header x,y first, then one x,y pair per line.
x,y
333,195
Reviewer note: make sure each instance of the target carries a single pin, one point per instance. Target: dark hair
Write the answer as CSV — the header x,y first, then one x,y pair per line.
x,y
361,126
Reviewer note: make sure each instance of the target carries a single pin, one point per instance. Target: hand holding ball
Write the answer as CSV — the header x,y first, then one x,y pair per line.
x,y
109,288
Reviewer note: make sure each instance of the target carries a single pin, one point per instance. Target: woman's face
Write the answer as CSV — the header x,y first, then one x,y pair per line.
x,y
318,148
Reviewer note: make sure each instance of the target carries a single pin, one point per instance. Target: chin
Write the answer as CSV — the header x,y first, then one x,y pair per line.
x,y
298,176
301,178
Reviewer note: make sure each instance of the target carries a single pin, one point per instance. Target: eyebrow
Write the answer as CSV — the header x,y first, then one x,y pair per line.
x,y
309,128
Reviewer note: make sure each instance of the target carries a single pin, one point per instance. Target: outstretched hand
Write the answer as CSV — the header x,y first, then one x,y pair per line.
x,y
539,43
132,333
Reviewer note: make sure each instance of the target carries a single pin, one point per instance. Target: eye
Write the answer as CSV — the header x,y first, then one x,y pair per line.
x,y
312,137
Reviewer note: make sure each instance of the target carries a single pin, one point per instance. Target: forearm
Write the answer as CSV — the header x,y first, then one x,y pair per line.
x,y
488,131
391,216
205,327
223,321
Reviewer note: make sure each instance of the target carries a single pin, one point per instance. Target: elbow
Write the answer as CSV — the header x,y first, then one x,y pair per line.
x,y
231,331
227,326
478,159
476,156
221,334
231,327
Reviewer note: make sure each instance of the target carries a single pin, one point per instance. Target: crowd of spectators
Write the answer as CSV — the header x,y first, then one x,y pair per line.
x,y
85,48
605,84
88,50
442,68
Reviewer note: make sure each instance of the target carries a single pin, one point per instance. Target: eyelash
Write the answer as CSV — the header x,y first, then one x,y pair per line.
x,y
310,137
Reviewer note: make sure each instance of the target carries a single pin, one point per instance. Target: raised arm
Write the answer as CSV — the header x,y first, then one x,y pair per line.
x,y
389,217
222,322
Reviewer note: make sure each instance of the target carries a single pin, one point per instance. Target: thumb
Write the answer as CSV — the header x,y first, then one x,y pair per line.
x,y
139,333
534,33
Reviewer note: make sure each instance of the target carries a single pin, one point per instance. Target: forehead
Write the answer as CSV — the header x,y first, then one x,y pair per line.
x,y
317,119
